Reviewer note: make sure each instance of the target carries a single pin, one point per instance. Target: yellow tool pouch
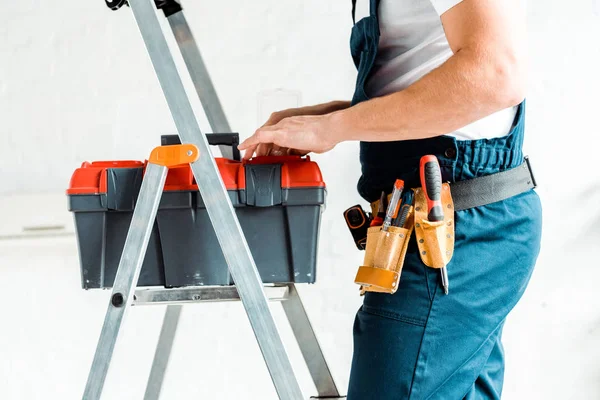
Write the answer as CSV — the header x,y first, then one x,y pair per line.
x,y
435,239
384,257
385,250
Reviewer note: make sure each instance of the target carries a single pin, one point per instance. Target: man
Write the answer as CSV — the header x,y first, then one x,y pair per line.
x,y
442,77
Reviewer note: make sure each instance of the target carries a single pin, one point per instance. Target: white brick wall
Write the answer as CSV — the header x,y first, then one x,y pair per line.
x,y
76,84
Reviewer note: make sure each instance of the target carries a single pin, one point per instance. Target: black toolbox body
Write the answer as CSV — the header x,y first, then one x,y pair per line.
x,y
278,201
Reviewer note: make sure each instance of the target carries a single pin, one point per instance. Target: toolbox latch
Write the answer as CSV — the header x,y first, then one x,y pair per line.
x,y
263,185
123,187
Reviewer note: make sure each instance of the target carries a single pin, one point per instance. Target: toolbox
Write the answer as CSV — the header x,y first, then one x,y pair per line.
x,y
278,201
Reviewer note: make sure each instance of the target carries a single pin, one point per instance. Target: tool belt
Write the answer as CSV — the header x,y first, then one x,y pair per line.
x,y
385,250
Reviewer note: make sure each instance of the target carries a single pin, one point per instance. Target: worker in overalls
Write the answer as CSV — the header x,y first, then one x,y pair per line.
x,y
441,77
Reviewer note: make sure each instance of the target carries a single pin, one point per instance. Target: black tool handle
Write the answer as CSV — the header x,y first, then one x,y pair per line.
x,y
115,4
402,216
169,7
358,224
214,139
431,181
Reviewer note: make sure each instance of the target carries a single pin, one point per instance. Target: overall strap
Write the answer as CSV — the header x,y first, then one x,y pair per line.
x,y
373,8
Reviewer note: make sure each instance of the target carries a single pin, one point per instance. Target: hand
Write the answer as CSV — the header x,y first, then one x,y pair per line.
x,y
266,149
296,135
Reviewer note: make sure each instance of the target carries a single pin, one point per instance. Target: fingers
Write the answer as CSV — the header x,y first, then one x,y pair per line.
x,y
278,151
250,145
249,152
262,135
296,152
260,143
270,141
251,142
260,149
263,149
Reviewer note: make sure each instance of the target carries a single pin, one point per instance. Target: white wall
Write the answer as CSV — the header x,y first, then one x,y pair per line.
x,y
76,84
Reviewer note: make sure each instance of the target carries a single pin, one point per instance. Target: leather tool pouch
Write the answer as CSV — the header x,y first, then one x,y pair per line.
x,y
435,239
384,257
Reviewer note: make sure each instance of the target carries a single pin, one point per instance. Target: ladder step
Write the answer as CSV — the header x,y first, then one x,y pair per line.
x,y
201,294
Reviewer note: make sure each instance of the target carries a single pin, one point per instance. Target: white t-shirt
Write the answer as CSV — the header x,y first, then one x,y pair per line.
x,y
413,43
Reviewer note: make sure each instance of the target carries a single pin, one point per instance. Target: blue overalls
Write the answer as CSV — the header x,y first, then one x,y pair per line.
x,y
419,343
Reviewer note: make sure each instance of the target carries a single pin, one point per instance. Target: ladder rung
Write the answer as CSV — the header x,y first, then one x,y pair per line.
x,y
201,294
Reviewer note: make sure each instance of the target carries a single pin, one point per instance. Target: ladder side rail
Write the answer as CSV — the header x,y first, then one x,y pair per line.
x,y
200,77
162,353
218,205
127,275
309,345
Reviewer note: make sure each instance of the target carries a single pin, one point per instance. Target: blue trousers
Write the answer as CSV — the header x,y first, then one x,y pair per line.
x,y
421,344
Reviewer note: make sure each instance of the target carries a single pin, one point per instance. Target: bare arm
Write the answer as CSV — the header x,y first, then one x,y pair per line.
x,y
318,109
486,74
271,148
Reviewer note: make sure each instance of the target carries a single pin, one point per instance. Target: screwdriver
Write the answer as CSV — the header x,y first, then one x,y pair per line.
x,y
392,210
402,215
431,181
378,219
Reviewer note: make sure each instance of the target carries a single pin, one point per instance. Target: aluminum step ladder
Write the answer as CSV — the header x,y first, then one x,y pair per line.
x,y
194,149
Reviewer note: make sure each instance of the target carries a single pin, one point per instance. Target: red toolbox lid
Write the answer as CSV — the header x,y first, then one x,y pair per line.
x,y
182,179
91,178
296,172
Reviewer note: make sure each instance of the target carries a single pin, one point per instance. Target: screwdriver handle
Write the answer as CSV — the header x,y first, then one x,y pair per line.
x,y
402,216
379,217
392,210
377,221
431,182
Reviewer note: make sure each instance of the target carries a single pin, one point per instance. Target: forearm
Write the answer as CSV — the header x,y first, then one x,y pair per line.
x,y
322,109
467,87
